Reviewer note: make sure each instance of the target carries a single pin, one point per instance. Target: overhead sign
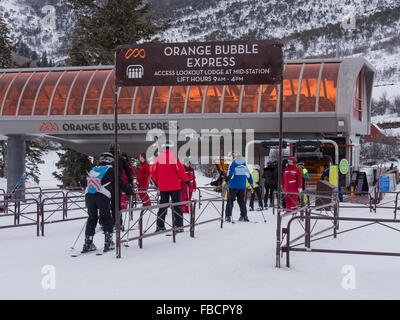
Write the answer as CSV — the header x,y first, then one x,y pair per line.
x,y
199,63
344,166
103,127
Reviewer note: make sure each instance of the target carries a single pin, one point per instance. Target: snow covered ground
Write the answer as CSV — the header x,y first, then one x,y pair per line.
x,y
236,262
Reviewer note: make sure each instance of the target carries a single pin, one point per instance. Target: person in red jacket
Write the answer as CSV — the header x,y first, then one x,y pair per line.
x,y
167,173
187,191
124,197
142,179
292,182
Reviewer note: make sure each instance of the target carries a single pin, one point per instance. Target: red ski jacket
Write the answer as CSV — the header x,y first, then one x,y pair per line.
x,y
190,173
167,172
124,177
292,178
143,175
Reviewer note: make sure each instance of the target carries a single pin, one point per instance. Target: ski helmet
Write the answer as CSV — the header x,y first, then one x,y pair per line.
x,y
235,154
111,148
106,158
256,166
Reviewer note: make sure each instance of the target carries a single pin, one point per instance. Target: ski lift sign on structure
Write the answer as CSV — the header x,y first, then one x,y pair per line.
x,y
199,63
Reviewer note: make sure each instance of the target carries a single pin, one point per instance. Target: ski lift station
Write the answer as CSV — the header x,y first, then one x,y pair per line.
x,y
323,99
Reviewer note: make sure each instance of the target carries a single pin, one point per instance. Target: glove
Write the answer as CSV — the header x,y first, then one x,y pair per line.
x,y
187,183
300,190
194,190
228,178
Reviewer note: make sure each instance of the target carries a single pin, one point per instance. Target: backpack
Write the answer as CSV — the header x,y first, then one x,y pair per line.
x,y
94,179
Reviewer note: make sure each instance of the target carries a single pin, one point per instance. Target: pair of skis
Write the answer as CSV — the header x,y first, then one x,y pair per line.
x,y
98,253
17,185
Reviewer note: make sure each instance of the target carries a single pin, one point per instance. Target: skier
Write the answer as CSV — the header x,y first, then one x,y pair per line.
x,y
98,195
124,197
270,176
292,182
167,173
123,166
143,177
255,174
187,190
238,174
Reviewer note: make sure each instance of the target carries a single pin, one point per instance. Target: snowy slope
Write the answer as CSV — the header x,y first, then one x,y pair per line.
x,y
237,262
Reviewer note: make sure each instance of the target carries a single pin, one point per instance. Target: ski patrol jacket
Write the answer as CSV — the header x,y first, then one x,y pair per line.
x,y
192,177
238,174
143,175
292,179
167,171
124,176
255,174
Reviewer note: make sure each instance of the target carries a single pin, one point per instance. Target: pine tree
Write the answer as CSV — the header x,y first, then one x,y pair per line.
x,y
3,159
34,153
34,156
74,168
103,25
6,45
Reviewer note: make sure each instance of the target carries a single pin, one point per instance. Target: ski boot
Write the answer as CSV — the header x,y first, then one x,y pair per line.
x,y
245,219
228,219
108,242
251,209
160,229
88,245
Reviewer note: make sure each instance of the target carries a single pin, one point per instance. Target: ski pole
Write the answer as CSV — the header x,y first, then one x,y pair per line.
x,y
73,246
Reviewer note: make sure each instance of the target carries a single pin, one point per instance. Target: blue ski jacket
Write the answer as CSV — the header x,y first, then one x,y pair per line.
x,y
239,173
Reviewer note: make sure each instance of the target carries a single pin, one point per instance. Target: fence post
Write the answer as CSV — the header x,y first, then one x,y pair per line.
x,y
278,237
140,242
308,229
42,216
287,245
65,201
37,219
173,223
192,219
222,212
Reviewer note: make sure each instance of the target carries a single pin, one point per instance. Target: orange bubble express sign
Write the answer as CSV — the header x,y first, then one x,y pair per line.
x,y
199,63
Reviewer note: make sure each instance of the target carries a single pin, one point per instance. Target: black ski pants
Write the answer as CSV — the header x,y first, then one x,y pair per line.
x,y
256,191
269,194
98,208
238,194
175,196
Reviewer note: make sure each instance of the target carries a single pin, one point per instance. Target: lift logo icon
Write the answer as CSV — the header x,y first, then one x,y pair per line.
x,y
141,53
48,127
135,71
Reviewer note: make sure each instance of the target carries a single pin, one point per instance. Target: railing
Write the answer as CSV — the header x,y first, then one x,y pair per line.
x,y
21,209
63,204
330,207
290,247
143,232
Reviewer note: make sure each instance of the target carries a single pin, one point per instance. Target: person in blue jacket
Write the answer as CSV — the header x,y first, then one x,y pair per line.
x,y
238,174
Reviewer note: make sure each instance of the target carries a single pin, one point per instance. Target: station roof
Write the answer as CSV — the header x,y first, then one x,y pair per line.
x,y
309,86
